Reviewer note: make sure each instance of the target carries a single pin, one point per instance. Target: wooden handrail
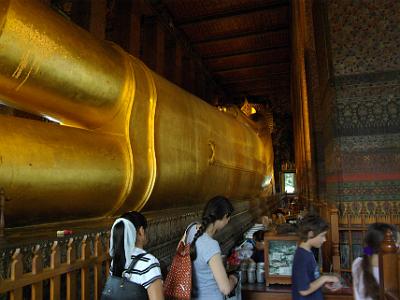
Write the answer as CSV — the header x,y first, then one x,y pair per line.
x,y
30,278
2,206
388,267
18,280
334,231
391,296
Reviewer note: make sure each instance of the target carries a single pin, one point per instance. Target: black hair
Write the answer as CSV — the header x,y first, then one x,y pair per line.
x,y
215,209
119,259
314,223
258,236
373,239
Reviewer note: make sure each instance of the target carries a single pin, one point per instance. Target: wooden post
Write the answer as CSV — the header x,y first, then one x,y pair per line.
x,y
71,276
107,251
97,19
178,63
16,273
54,264
334,222
148,42
2,207
388,267
135,28
160,48
37,268
98,251
85,284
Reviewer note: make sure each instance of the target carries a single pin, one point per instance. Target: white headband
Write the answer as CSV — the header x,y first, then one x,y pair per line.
x,y
129,238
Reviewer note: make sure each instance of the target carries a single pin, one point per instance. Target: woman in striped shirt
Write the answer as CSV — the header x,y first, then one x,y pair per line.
x,y
128,237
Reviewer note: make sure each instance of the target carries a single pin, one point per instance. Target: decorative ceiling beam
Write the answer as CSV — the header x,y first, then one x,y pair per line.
x,y
249,60
274,66
268,78
243,87
253,72
166,18
284,45
271,76
265,94
266,52
232,13
272,29
258,88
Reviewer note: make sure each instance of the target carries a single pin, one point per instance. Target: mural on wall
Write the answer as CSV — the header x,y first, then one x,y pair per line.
x,y
362,159
366,108
364,36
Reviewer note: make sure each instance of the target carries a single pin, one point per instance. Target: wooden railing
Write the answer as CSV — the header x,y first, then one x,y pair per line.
x,y
74,274
335,239
347,233
389,267
344,247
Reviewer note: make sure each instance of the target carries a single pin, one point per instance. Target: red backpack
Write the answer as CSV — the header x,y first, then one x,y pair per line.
x,y
178,284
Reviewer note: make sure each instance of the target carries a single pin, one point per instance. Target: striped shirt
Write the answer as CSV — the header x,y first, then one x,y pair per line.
x,y
146,271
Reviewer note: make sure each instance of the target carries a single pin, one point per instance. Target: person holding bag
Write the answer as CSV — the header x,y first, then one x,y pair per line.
x,y
135,274
210,280
178,283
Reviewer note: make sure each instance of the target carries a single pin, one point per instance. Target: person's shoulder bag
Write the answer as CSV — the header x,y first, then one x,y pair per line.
x,y
121,288
178,284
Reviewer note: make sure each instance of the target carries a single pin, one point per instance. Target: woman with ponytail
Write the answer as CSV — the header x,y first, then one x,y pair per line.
x,y
210,280
128,237
365,269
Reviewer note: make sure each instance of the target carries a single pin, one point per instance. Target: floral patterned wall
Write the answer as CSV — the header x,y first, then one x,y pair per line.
x,y
353,75
362,152
364,35
357,46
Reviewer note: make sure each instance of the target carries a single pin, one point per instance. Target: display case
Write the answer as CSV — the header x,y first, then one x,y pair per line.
x,y
279,252
288,181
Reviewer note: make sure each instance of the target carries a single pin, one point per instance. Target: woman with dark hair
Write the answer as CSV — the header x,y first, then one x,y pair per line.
x,y
210,280
365,269
128,237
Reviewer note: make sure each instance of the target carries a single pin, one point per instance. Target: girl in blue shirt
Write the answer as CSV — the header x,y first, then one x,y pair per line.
x,y
210,280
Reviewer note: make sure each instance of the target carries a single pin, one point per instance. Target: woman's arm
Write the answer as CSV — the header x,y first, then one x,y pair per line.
x,y
155,290
225,284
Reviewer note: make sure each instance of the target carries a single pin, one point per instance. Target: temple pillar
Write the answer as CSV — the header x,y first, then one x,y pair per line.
x,y
134,42
302,121
118,21
97,20
159,48
178,63
199,80
188,74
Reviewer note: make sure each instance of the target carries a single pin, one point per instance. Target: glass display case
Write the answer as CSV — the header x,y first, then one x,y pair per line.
x,y
279,253
289,182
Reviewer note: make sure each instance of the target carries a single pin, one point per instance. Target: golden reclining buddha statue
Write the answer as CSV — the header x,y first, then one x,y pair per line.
x,y
128,139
